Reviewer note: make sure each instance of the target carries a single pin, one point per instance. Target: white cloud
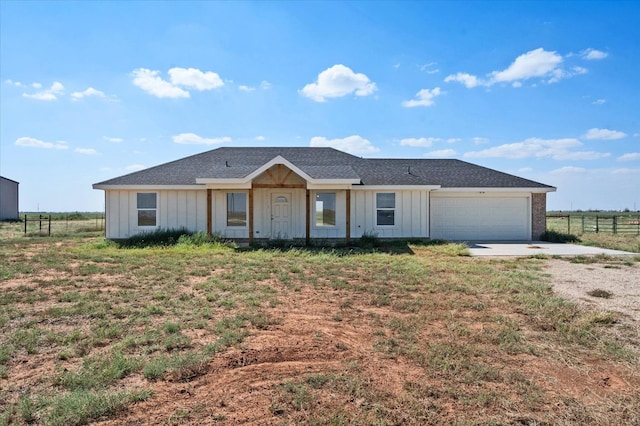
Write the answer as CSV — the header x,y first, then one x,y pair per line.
x,y
352,144
195,79
568,170
537,63
525,170
480,140
454,140
50,94
37,143
427,68
19,84
604,134
246,88
579,70
631,156
593,54
420,142
556,149
558,74
193,139
442,153
259,138
468,80
265,85
86,151
336,82
423,98
135,167
150,82
599,101
89,92
114,140
581,155
625,171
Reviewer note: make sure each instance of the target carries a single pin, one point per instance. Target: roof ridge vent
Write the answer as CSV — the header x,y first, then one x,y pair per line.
x,y
226,164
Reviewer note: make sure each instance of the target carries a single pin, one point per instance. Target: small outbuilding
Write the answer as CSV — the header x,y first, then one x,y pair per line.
x,y
309,193
8,199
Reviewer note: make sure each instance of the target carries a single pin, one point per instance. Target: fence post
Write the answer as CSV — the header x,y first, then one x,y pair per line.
x,y
568,224
597,225
49,225
40,224
583,224
615,225
25,224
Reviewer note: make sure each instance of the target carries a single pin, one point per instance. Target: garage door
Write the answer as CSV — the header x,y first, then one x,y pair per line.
x,y
474,218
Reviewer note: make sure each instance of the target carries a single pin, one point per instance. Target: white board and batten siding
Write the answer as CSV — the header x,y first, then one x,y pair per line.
x,y
476,216
340,228
262,213
175,209
411,214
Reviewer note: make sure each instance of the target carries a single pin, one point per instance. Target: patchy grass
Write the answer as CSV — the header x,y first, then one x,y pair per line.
x,y
199,332
628,243
604,294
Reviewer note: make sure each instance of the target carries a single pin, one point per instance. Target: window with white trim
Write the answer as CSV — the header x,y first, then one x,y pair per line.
x,y
147,205
236,209
325,209
385,208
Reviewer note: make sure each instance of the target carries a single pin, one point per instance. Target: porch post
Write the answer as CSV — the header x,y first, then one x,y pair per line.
x,y
308,221
348,218
251,215
209,211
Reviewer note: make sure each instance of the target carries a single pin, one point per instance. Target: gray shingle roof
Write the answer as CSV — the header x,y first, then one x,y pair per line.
x,y
325,163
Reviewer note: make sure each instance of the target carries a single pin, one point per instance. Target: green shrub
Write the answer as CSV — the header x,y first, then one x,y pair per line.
x,y
157,238
369,240
558,237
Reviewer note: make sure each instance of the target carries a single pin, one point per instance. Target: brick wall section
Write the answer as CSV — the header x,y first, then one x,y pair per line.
x,y
538,215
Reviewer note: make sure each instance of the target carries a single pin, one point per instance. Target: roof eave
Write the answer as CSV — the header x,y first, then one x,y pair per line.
x,y
144,187
498,189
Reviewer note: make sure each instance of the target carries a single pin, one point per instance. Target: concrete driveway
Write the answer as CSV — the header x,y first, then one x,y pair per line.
x,y
530,248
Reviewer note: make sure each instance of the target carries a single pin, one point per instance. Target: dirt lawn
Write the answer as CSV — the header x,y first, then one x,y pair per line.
x,y
423,339
601,286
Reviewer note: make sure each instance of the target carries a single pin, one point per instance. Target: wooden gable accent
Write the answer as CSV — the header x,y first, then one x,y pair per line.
x,y
279,176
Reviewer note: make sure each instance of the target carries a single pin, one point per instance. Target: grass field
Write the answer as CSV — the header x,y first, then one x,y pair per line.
x,y
583,226
61,224
209,334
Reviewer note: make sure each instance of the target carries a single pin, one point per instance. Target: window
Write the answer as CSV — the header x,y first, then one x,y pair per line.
x,y
385,208
147,208
325,209
236,209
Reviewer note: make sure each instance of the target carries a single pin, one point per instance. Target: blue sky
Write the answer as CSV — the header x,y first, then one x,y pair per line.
x,y
544,90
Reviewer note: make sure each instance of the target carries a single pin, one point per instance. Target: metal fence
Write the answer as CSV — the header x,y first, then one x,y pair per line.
x,y
60,224
624,224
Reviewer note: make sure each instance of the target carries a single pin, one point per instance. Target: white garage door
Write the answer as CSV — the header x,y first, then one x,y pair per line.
x,y
474,218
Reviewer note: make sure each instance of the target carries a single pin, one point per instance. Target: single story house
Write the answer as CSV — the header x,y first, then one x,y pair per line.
x,y
8,199
306,193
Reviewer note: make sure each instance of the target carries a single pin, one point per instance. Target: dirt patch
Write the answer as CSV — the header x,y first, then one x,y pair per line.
x,y
583,282
339,347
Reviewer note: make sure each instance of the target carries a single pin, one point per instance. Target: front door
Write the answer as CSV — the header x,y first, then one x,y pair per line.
x,y
281,215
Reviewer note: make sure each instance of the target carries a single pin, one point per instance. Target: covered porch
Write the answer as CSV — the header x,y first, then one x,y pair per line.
x,y
279,201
